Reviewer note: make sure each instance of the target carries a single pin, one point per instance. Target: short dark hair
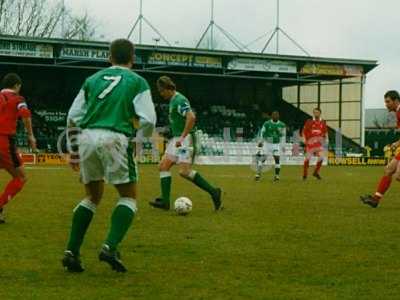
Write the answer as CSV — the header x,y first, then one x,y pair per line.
x,y
10,80
166,83
318,109
122,51
394,95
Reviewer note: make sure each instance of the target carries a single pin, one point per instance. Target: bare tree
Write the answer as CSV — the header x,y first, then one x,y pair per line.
x,y
43,18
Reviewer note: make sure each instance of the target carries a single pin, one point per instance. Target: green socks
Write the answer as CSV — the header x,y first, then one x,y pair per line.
x,y
81,219
121,220
198,180
166,181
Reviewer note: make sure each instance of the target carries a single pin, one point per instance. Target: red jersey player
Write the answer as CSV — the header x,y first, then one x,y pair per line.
x,y
392,170
315,134
12,107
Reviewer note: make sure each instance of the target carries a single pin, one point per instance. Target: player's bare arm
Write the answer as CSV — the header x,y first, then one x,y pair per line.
x,y
31,137
190,122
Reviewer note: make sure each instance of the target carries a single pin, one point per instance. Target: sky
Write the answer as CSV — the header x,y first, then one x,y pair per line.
x,y
360,29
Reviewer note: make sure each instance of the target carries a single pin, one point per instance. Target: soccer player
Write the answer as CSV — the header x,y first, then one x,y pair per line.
x,y
106,109
315,134
180,148
273,134
12,107
392,170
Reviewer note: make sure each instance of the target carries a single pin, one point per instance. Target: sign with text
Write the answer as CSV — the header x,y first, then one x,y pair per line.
x,y
184,60
259,65
25,49
328,69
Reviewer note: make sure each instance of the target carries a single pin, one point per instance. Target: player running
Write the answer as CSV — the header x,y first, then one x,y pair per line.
x,y
315,134
106,109
392,170
180,149
273,135
12,107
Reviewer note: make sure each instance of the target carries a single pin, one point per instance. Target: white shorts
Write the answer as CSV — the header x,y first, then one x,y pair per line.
x,y
183,154
106,155
272,149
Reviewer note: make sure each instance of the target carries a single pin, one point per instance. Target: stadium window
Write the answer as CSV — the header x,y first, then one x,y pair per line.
x,y
308,107
289,94
351,129
351,110
309,93
330,91
333,124
330,111
351,89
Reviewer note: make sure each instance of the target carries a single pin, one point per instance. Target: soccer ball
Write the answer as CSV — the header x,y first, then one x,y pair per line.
x,y
183,206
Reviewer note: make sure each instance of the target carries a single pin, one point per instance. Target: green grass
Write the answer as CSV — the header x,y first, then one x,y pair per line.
x,y
288,240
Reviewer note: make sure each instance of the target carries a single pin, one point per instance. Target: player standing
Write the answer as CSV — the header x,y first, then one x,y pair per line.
x,y
315,134
392,170
180,149
273,134
106,108
12,107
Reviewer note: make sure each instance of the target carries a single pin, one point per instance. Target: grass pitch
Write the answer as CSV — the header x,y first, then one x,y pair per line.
x,y
286,240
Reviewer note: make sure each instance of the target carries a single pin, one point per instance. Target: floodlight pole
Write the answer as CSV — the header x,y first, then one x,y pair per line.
x,y
277,26
139,22
277,32
63,19
211,29
212,24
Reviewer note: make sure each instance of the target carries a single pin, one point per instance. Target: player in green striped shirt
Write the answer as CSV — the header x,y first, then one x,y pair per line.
x,y
180,148
273,135
105,111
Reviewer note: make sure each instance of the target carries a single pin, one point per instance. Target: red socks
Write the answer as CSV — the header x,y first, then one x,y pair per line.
x,y
383,186
318,167
12,188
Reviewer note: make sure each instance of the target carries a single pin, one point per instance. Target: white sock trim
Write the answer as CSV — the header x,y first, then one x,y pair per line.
x,y
128,202
378,194
192,174
165,174
87,204
277,166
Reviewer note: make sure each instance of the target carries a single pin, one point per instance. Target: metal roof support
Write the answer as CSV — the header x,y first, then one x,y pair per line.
x,y
277,32
139,22
211,30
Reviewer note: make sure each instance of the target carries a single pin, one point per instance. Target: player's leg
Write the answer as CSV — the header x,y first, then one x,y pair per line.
x,y
10,160
166,180
83,214
165,166
306,164
320,159
384,184
14,186
186,171
277,159
121,171
259,167
276,153
260,160
92,176
121,220
81,219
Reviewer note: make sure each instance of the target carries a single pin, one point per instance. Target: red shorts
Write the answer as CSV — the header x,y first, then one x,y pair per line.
x,y
314,149
9,156
397,157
